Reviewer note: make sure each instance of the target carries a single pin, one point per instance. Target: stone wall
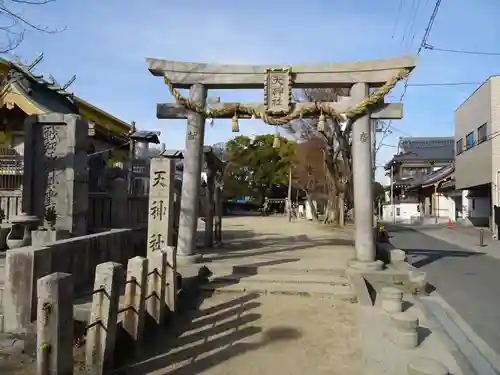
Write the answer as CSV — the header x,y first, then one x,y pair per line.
x,y
78,256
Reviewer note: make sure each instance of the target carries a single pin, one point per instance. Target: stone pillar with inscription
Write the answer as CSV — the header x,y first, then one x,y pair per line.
x,y
161,204
191,178
55,170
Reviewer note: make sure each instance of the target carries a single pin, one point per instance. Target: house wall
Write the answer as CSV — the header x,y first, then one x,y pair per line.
x,y
480,165
473,166
404,213
479,207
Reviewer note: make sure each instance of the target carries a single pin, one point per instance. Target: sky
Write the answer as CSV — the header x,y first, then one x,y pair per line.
x,y
105,44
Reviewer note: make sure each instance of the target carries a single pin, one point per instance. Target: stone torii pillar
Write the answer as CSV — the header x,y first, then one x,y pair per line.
x,y
277,82
212,215
191,178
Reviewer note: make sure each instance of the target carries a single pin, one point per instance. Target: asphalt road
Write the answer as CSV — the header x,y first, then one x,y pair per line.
x,y
468,281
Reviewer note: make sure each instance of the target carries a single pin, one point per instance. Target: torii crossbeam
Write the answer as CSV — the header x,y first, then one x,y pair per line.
x,y
278,109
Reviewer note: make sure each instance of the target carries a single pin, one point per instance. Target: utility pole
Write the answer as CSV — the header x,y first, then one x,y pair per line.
x,y
375,129
392,194
290,194
131,154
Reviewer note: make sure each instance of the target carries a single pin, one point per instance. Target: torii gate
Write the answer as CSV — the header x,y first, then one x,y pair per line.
x,y
278,109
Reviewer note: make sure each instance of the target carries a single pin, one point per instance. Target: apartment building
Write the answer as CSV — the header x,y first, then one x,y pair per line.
x,y
477,149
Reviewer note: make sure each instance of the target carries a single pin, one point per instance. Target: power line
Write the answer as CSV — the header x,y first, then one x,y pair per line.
x,y
397,19
443,84
483,53
422,44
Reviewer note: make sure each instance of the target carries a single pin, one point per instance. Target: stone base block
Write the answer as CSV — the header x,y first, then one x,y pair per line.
x,y
405,340
426,366
404,322
391,299
397,255
391,305
365,266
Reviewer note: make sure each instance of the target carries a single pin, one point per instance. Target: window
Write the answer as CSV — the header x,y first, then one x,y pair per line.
x,y
398,211
481,134
469,140
460,146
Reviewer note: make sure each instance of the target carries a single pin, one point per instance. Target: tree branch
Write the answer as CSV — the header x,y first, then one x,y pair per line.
x,y
17,26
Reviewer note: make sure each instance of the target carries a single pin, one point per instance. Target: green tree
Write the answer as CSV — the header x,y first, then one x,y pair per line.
x,y
254,165
378,193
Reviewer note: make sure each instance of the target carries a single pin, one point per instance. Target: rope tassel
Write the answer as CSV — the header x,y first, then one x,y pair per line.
x,y
321,123
235,127
276,141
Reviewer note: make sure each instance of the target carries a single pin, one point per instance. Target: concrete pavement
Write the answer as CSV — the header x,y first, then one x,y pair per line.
x,y
466,277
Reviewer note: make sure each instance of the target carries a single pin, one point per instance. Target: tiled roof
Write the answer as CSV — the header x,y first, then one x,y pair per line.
x,y
443,150
434,176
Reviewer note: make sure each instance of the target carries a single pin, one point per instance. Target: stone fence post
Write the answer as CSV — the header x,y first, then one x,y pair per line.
x,y
101,332
55,324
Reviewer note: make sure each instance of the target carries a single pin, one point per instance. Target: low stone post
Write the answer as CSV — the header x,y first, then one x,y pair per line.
x,y
426,366
18,291
155,300
54,329
101,332
135,294
171,279
405,330
392,299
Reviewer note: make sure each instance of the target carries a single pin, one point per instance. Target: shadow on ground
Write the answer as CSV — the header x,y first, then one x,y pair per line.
x,y
421,249
238,244
200,338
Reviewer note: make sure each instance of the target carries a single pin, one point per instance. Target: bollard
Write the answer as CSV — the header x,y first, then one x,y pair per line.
x,y
392,299
54,325
426,366
405,329
101,332
481,237
135,297
157,275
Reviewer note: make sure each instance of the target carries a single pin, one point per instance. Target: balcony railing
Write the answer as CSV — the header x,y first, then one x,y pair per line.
x,y
11,162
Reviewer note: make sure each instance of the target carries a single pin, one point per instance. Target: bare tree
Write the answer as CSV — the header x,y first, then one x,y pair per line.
x,y
14,25
334,145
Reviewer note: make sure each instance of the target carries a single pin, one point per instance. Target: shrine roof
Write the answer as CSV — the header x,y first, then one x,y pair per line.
x,y
47,95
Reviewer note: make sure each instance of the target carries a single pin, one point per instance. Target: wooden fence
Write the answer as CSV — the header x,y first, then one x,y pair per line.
x,y
150,292
100,211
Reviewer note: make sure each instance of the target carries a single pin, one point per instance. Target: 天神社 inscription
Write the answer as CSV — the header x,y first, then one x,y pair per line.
x,y
161,204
